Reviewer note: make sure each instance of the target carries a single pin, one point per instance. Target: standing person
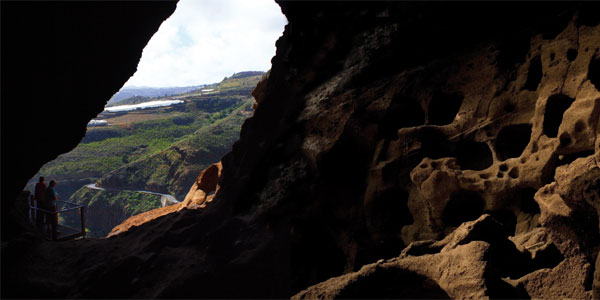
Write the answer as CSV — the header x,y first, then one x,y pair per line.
x,y
51,197
40,199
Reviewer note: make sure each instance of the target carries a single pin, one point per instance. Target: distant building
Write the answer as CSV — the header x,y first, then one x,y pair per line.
x,y
94,123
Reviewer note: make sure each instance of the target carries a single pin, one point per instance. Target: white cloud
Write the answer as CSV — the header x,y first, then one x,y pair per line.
x,y
206,40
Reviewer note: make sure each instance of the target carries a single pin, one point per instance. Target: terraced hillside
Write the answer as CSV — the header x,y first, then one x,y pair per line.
x,y
159,149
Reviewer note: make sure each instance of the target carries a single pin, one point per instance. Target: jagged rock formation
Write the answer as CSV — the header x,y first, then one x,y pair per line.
x,y
205,187
466,157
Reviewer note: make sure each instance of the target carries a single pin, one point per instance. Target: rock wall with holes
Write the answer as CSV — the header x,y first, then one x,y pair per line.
x,y
461,140
397,150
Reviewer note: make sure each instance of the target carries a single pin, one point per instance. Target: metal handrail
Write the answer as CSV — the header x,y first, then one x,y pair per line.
x,y
69,207
73,206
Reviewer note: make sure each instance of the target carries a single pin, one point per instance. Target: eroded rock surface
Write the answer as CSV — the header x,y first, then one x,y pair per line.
x,y
467,264
393,142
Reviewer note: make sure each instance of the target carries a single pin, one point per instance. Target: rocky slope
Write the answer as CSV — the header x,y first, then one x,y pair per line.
x,y
397,150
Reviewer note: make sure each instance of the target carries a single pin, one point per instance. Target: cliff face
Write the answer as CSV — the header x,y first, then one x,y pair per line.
x,y
406,150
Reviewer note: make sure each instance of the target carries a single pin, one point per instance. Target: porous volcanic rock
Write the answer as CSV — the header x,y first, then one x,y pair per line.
x,y
467,264
454,141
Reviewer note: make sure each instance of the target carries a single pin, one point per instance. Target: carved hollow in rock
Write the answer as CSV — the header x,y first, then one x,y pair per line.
x,y
565,139
594,72
444,107
514,173
389,211
571,54
507,218
463,206
512,140
526,202
472,155
534,75
580,126
314,264
402,112
553,115
548,257
569,158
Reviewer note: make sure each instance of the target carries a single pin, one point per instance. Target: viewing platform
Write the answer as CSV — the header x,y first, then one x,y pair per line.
x,y
63,232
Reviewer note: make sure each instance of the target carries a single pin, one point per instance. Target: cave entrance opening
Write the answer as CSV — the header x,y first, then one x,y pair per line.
x,y
177,115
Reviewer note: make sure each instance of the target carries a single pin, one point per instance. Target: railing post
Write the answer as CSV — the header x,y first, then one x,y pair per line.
x,y
54,223
32,211
82,212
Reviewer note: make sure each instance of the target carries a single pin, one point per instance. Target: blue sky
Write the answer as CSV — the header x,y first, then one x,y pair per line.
x,y
206,40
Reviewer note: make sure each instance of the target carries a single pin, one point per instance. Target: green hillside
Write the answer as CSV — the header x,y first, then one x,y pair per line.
x,y
107,209
173,170
159,149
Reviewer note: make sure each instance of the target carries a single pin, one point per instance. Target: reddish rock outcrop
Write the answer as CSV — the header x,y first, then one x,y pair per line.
x,y
200,194
143,218
205,188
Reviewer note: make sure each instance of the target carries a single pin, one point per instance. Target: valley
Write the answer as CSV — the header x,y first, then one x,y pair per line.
x,y
157,149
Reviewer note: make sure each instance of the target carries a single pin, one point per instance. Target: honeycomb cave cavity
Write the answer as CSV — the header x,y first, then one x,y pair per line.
x,y
594,72
512,140
534,75
463,206
393,284
527,203
553,115
434,144
514,173
444,107
472,155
